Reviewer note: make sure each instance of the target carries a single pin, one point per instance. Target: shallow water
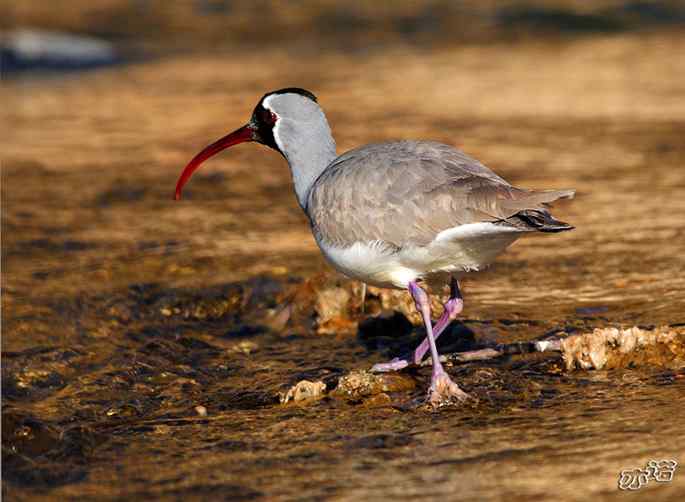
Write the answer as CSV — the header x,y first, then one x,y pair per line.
x,y
124,311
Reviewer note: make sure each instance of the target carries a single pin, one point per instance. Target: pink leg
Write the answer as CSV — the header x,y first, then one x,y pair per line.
x,y
453,308
442,388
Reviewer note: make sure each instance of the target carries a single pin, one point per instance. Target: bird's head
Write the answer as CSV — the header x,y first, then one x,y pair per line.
x,y
281,120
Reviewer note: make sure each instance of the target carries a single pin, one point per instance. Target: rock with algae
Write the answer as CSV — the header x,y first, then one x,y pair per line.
x,y
609,348
358,384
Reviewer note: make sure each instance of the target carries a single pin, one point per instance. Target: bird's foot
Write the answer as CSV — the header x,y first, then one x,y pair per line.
x,y
444,391
395,364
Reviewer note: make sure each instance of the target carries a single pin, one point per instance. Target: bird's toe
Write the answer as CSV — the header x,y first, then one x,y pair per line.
x,y
444,391
395,365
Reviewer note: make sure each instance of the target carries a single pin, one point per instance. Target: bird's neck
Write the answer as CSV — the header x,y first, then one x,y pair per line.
x,y
312,154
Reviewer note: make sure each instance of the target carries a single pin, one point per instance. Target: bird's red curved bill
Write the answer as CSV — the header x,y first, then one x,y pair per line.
x,y
241,135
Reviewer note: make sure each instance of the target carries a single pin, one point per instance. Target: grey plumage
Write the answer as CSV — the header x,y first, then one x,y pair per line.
x,y
405,193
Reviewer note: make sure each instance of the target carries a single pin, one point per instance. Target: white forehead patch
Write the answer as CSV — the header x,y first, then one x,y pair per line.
x,y
301,123
289,107
282,96
292,106
267,102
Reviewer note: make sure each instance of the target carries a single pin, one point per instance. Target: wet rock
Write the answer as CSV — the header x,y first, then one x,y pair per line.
x,y
332,308
321,302
337,304
401,301
358,384
608,348
340,298
332,303
303,391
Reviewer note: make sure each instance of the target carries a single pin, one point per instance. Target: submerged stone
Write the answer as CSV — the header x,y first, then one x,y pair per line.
x,y
358,384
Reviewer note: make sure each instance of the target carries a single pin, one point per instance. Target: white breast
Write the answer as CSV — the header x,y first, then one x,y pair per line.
x,y
460,249
372,262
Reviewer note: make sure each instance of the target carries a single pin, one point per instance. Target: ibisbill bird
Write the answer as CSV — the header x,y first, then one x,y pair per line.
x,y
399,214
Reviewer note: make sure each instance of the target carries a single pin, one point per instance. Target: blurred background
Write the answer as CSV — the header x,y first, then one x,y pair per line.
x,y
205,25
124,310
104,102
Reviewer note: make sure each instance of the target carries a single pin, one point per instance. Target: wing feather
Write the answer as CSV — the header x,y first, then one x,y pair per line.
x,y
405,193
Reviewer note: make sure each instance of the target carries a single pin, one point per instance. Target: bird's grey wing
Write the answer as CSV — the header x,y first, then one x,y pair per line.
x,y
405,193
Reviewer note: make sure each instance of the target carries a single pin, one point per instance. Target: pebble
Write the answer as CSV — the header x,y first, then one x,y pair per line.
x,y
303,391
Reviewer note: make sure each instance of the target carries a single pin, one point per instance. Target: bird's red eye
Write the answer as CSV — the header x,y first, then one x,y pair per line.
x,y
268,117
